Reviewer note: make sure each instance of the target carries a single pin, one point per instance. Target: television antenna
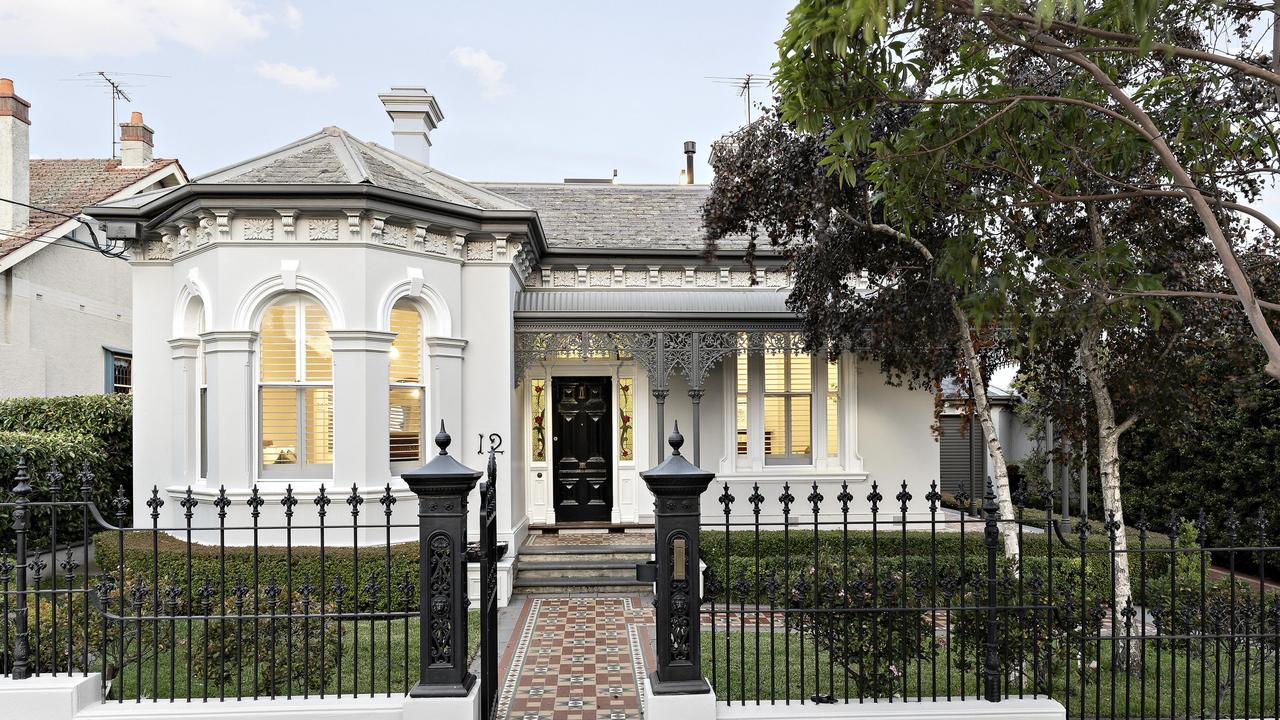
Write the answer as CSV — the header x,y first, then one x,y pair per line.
x,y
116,84
744,85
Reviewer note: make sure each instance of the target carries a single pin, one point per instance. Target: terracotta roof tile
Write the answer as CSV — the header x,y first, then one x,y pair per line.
x,y
69,186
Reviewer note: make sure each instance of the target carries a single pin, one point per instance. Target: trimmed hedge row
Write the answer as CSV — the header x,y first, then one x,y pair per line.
x,y
213,563
72,430
42,450
799,544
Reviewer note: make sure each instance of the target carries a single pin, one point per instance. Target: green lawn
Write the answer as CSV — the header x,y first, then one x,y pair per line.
x,y
388,673
1198,685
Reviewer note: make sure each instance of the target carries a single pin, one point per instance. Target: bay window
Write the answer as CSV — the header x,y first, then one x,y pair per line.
x,y
295,390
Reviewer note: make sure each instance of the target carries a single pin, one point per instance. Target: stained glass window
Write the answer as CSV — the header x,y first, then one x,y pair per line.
x,y
626,436
538,402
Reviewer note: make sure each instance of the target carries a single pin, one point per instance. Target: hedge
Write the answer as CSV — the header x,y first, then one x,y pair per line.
x,y
212,563
42,450
106,418
69,431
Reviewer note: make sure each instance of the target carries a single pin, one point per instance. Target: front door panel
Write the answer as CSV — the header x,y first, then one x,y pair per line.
x,y
582,439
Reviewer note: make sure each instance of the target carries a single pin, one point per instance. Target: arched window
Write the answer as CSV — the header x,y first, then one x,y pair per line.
x,y
407,384
295,390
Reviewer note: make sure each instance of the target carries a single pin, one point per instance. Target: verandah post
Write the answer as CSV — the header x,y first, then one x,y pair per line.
x,y
991,665
442,487
677,486
20,669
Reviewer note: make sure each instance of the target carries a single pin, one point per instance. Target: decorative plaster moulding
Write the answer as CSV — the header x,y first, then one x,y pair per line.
x,y
627,277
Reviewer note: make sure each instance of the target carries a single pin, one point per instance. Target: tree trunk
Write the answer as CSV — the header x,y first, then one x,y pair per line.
x,y
982,407
1182,180
1109,468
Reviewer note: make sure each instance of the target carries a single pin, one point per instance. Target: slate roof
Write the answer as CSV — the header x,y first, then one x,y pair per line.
x,y
334,156
605,216
69,186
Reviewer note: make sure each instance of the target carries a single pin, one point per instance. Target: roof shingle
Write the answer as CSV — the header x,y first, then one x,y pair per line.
x,y
604,216
68,186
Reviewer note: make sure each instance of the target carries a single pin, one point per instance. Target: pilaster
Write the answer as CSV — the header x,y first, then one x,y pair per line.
x,y
232,424
361,445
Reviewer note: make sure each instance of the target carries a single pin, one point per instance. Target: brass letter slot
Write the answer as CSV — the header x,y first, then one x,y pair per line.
x,y
678,550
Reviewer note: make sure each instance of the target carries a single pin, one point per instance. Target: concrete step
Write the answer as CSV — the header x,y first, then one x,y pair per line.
x,y
584,553
565,586
532,568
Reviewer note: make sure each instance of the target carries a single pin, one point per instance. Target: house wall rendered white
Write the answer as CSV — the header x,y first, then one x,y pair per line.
x,y
59,307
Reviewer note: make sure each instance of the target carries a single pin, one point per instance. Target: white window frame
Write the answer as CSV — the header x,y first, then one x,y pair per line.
x,y
400,466
301,469
754,460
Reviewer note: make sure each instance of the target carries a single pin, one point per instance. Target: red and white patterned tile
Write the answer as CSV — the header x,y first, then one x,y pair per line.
x,y
576,659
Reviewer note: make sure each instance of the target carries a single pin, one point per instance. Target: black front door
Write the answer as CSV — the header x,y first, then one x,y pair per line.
x,y
582,438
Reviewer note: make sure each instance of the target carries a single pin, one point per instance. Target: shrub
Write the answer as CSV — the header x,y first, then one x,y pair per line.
x,y
43,451
69,431
221,570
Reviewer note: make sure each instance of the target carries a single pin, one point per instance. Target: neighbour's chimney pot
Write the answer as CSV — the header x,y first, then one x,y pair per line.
x,y
136,142
689,149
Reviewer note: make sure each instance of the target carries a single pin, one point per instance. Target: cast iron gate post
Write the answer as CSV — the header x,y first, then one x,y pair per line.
x,y
20,670
442,486
676,486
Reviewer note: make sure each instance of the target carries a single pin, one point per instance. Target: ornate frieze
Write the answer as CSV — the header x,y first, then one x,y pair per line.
x,y
564,277
435,243
688,276
691,352
479,250
322,229
397,235
259,228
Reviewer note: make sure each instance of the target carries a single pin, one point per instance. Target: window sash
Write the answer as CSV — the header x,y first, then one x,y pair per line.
x,y
295,427
786,411
406,422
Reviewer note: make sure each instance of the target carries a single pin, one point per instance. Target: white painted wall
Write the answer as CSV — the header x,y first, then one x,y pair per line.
x,y
58,309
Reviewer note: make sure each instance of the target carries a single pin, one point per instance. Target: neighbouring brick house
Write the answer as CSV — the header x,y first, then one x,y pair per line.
x,y
65,308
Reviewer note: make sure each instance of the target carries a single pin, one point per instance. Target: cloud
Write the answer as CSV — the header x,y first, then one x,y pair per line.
x,y
84,28
488,71
292,17
303,78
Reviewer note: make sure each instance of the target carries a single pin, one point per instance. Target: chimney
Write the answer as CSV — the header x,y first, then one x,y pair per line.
x,y
689,149
414,114
135,142
15,158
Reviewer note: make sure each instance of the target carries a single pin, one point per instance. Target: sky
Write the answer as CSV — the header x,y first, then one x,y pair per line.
x,y
530,91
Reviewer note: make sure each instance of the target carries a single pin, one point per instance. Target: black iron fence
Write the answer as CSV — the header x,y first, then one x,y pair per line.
x,y
325,594
843,599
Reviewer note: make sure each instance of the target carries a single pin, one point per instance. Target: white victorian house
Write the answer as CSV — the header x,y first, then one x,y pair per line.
x,y
308,317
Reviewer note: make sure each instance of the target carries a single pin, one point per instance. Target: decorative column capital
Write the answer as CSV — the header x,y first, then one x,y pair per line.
x,y
445,346
361,340
184,348
216,341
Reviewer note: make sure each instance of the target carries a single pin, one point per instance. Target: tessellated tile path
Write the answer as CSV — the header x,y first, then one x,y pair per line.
x,y
576,659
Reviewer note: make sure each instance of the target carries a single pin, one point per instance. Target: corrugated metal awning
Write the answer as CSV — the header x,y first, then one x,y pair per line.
x,y
674,304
